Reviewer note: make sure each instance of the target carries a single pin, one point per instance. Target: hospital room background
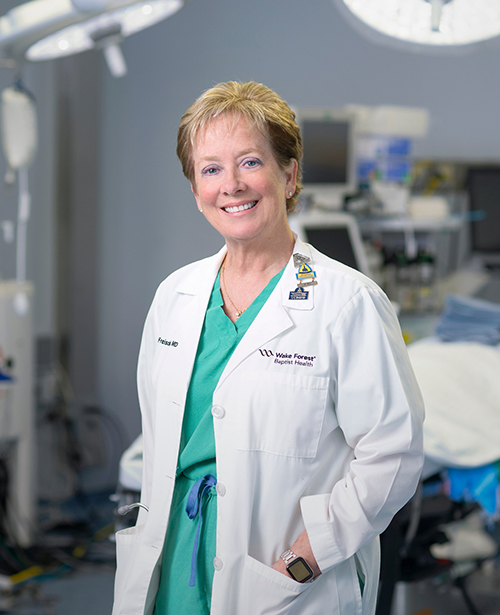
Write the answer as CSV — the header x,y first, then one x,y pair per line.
x,y
112,215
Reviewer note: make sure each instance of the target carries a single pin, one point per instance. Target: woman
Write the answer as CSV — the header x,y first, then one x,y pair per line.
x,y
282,423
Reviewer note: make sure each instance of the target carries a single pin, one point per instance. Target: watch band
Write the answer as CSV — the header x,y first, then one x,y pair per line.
x,y
288,556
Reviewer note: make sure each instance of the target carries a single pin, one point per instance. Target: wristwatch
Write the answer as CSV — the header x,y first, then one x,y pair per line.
x,y
297,567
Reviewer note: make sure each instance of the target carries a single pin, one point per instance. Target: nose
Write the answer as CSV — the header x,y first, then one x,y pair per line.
x,y
233,182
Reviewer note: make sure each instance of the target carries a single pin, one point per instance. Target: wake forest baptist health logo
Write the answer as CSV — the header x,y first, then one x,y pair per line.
x,y
266,353
284,358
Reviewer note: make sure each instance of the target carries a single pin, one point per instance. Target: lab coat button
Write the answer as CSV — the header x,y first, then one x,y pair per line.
x,y
221,489
217,563
218,412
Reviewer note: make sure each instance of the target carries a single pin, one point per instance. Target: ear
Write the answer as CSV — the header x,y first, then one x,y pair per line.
x,y
193,190
291,175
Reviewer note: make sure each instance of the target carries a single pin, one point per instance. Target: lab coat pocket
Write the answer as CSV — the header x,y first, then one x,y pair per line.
x,y
267,591
126,540
367,564
281,413
360,577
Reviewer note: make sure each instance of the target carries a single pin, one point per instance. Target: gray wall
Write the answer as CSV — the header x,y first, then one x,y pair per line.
x,y
149,224
40,263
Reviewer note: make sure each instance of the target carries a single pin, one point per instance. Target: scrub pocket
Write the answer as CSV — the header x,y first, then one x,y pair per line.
x,y
281,413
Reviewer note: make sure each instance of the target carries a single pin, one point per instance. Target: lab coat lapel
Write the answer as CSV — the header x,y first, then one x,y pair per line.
x,y
273,318
193,293
270,322
199,285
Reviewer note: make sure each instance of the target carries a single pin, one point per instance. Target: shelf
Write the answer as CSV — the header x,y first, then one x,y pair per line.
x,y
399,224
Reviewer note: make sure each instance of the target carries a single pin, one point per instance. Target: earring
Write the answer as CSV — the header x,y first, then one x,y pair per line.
x,y
290,194
200,209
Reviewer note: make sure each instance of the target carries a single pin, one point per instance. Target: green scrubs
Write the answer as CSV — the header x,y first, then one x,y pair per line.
x,y
218,341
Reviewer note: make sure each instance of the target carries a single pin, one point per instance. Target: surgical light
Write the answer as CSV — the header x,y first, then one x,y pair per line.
x,y
433,23
47,29
96,31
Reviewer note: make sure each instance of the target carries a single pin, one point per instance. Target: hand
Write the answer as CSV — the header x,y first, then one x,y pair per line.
x,y
302,548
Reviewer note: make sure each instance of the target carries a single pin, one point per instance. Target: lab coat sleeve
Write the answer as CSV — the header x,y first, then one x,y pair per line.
x,y
380,411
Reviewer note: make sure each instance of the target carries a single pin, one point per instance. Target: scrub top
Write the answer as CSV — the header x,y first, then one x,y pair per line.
x,y
219,338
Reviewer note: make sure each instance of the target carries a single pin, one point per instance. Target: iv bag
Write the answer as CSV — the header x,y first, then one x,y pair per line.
x,y
19,127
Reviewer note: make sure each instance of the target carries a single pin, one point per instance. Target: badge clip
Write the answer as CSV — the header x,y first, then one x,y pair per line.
x,y
300,259
303,283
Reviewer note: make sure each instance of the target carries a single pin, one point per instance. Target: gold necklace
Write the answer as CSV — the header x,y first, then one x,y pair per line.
x,y
238,312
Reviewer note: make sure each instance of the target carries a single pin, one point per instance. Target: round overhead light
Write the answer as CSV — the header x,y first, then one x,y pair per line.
x,y
434,23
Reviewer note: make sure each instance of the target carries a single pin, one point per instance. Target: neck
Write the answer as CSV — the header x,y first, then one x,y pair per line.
x,y
249,267
251,258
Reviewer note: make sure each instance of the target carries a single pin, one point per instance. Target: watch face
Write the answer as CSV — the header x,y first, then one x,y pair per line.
x,y
299,570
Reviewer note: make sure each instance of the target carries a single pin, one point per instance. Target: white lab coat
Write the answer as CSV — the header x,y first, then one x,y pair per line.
x,y
318,425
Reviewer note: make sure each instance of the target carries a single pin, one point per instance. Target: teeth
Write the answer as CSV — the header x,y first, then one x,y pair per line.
x,y
232,210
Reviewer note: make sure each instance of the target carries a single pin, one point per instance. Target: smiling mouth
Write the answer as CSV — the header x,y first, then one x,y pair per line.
x,y
232,210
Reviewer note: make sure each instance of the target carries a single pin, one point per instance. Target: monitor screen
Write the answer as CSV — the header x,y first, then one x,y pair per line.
x,y
483,186
335,242
326,145
329,163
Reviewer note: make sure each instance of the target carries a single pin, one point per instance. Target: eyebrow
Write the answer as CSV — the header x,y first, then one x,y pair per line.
x,y
244,152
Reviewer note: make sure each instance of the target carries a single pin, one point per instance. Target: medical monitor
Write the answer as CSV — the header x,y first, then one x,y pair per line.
x,y
329,162
483,187
336,234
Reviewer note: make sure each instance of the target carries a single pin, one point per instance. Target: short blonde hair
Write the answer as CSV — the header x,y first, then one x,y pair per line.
x,y
257,103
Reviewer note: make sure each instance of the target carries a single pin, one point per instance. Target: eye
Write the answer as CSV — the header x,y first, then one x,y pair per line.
x,y
211,170
251,163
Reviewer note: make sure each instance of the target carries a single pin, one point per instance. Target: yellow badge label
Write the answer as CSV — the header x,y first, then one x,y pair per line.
x,y
305,272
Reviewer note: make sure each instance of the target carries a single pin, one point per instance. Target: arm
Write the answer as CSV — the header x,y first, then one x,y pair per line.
x,y
380,412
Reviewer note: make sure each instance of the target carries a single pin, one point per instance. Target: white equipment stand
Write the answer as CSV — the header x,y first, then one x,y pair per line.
x,y
17,412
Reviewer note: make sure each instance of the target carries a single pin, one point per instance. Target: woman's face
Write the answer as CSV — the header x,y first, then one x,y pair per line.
x,y
238,183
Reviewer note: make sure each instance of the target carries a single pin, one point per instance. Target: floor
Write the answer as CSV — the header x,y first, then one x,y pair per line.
x,y
76,558
79,593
